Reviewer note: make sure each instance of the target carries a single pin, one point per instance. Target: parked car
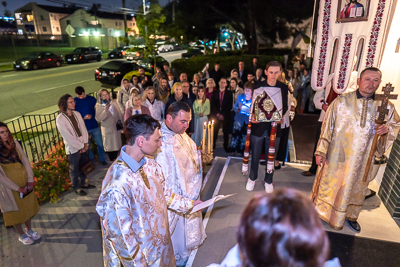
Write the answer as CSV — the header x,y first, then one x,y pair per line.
x,y
135,54
148,63
84,54
118,52
34,61
113,71
163,47
193,51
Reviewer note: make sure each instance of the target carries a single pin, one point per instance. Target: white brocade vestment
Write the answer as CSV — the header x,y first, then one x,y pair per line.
x,y
133,215
181,165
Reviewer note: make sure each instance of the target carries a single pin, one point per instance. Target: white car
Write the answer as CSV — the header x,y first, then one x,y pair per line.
x,y
165,48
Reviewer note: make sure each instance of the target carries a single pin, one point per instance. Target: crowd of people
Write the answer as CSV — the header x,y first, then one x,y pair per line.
x,y
151,133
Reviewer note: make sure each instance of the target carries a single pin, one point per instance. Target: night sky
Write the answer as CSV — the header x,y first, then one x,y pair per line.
x,y
106,6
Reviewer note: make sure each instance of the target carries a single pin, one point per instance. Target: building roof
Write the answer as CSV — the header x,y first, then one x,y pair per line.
x,y
52,9
109,15
57,9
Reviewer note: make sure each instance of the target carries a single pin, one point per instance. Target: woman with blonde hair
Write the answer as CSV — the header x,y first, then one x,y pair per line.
x,y
18,201
210,88
134,106
196,80
109,115
201,109
155,106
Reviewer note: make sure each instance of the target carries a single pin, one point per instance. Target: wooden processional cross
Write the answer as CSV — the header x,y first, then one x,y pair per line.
x,y
382,112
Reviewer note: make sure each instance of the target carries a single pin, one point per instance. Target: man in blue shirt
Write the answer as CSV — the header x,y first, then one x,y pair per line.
x,y
85,105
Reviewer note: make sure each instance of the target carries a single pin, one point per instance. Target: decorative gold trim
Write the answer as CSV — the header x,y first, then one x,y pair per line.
x,y
144,177
171,199
130,258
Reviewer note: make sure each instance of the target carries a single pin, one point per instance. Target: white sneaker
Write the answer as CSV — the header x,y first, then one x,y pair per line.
x,y
34,236
250,185
269,188
26,241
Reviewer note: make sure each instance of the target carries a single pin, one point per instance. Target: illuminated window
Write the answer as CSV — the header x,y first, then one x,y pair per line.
x,y
20,32
29,17
94,22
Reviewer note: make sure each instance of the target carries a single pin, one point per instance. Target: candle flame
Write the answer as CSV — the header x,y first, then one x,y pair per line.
x,y
213,121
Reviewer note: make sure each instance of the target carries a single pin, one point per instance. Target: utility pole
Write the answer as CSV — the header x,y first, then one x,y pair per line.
x,y
173,11
125,27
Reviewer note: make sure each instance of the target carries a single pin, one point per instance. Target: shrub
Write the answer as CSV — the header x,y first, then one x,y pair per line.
x,y
227,63
51,176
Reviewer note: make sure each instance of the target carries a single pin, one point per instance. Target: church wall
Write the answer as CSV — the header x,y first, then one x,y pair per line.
x,y
348,34
390,63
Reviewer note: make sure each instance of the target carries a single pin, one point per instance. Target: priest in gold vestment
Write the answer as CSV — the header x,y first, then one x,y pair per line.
x,y
345,142
181,165
133,202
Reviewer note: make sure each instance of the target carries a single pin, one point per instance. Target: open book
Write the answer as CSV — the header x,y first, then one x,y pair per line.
x,y
209,202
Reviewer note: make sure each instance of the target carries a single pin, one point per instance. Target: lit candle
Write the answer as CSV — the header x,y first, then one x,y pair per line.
x,y
203,141
212,136
209,138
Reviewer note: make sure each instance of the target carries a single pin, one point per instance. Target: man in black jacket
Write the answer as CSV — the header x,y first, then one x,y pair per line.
x,y
221,106
242,72
216,73
262,130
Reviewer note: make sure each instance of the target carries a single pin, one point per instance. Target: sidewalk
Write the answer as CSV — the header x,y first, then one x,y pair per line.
x,y
70,230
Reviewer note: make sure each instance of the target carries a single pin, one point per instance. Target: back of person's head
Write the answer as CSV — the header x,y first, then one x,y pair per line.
x,y
177,106
79,90
139,125
63,102
282,229
249,85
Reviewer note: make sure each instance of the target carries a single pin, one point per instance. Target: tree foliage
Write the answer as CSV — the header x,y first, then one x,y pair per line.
x,y
269,19
193,21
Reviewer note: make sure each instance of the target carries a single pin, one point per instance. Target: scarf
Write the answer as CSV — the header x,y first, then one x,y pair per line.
x,y
178,99
8,151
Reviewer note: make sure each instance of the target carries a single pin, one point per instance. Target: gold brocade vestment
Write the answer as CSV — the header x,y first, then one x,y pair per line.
x,y
346,138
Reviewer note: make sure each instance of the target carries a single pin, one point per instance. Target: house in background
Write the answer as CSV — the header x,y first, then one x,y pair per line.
x,y
101,29
41,20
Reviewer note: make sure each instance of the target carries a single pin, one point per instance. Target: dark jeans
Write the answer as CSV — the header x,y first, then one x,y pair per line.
x,y
225,129
314,166
256,148
282,149
96,134
112,155
74,172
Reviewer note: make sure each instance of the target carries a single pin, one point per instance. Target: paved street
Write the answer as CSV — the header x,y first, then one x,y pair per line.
x,y
27,91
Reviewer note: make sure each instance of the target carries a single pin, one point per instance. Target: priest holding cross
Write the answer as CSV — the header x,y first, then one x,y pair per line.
x,y
357,126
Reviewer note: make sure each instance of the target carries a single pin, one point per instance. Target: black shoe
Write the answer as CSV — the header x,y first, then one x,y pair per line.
x,y
88,186
278,167
80,192
104,163
354,225
307,173
371,194
263,163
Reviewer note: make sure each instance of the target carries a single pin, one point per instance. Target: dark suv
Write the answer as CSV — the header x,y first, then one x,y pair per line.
x,y
84,54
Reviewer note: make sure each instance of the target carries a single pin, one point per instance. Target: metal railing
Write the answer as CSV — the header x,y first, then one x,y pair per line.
x,y
36,133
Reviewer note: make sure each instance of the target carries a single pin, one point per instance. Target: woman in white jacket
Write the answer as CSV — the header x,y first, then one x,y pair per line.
x,y
108,113
155,106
